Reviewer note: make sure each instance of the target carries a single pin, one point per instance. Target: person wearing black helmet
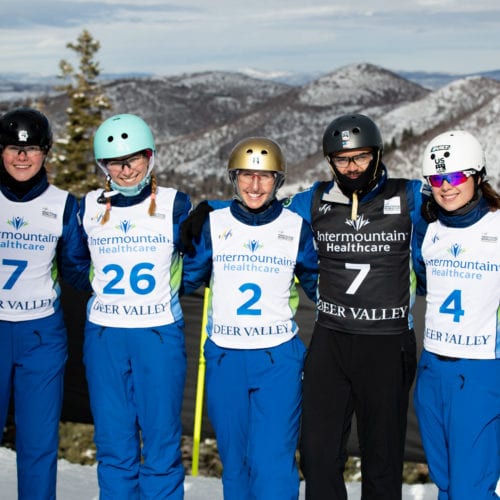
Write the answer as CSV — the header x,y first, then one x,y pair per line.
x,y
40,237
362,355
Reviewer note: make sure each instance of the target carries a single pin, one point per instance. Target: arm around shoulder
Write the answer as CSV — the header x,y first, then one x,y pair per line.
x,y
306,268
73,257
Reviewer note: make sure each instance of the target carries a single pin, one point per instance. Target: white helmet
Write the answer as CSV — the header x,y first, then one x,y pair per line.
x,y
453,151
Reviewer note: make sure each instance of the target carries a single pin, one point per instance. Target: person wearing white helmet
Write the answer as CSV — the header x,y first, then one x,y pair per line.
x,y
134,350
249,253
41,241
457,394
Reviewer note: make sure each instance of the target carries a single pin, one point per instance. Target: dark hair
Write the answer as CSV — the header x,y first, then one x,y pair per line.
x,y
490,195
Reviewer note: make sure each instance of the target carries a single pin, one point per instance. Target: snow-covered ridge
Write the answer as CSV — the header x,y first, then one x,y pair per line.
x,y
198,117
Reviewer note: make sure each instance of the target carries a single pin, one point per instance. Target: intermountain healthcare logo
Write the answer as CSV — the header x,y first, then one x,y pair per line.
x,y
459,268
125,226
359,223
253,245
359,241
21,240
17,222
456,250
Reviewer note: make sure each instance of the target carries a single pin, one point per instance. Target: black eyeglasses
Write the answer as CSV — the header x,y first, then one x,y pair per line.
x,y
30,151
134,161
362,160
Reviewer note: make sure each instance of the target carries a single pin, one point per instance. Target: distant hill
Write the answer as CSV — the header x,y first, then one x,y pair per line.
x,y
198,117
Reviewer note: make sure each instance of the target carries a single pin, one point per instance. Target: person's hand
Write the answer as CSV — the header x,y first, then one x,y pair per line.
x,y
429,210
192,226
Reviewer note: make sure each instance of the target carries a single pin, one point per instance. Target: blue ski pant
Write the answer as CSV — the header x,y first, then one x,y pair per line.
x,y
254,405
32,359
136,379
457,403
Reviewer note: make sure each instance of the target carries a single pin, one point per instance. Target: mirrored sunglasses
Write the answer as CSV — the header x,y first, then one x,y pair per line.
x,y
453,178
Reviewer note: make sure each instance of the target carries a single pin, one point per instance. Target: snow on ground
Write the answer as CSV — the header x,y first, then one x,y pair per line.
x,y
79,482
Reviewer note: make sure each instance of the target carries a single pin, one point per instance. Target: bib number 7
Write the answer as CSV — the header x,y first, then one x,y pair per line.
x,y
19,267
363,270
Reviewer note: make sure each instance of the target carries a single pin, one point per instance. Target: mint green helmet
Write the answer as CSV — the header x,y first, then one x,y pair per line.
x,y
122,135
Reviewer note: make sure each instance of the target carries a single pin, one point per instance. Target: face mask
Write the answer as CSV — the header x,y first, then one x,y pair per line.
x,y
363,183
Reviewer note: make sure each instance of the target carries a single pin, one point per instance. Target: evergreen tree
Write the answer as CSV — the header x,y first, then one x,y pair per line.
x,y
73,163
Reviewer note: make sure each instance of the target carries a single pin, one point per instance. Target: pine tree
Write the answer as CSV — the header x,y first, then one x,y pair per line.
x,y
73,163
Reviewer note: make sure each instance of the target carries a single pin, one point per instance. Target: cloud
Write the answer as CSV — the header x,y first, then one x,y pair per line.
x,y
193,35
58,13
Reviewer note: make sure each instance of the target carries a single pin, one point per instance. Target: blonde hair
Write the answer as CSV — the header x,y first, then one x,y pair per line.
x,y
152,203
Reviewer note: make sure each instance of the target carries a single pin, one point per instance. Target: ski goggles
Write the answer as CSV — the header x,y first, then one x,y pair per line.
x,y
453,178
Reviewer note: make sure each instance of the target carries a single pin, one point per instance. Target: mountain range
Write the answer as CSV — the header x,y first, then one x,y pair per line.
x,y
198,117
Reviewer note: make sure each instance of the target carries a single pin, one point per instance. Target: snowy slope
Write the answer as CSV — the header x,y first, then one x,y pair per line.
x,y
79,482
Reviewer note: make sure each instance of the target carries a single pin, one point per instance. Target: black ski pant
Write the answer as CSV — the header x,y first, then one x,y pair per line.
x,y
370,376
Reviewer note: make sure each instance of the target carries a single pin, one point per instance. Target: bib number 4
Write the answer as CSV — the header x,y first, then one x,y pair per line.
x,y
453,305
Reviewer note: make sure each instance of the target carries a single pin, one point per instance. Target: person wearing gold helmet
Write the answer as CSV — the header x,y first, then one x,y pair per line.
x,y
249,254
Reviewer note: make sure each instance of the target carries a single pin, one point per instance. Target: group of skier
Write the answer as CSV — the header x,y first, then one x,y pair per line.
x,y
138,247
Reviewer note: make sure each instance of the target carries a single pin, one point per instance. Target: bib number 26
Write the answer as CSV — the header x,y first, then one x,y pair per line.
x,y
141,282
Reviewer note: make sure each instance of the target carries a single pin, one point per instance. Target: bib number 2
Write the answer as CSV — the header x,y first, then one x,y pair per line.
x,y
247,308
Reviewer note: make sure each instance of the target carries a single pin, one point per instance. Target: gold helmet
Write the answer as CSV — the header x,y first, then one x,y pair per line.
x,y
257,153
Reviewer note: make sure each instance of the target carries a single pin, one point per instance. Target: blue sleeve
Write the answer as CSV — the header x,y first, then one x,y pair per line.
x,y
301,203
419,231
73,257
306,268
417,191
181,209
215,204
197,267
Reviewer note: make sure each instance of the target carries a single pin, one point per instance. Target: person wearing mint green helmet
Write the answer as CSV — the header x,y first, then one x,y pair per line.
x,y
134,350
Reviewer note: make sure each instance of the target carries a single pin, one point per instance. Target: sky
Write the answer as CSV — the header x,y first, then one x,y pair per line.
x,y
79,482
169,37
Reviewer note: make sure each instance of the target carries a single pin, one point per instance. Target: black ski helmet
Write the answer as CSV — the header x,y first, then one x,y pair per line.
x,y
352,131
25,127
